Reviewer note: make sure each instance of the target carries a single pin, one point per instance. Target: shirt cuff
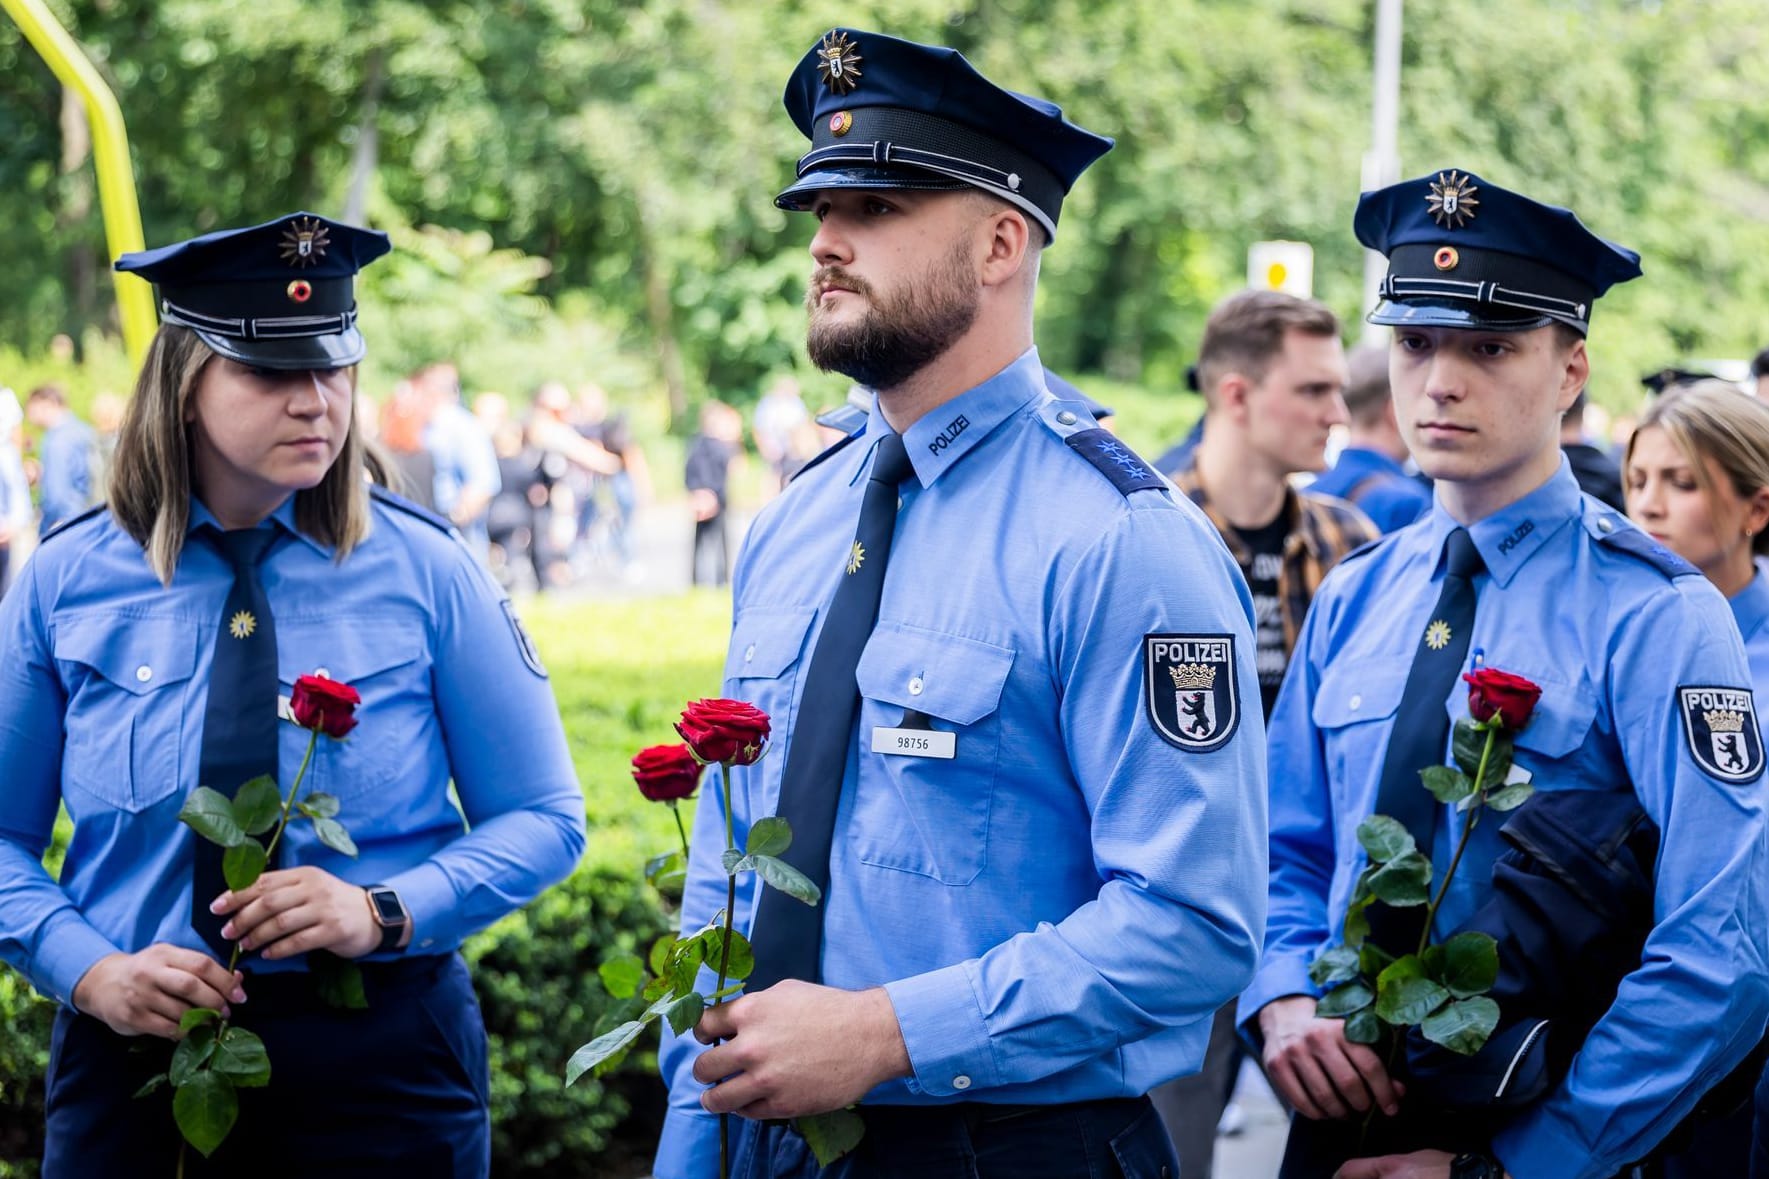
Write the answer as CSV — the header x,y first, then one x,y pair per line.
x,y
944,1030
1277,978
70,948
431,900
689,1147
1536,1145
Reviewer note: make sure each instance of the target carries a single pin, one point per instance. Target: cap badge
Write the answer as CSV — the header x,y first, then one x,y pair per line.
x,y
841,122
304,242
300,290
1446,258
1452,201
839,62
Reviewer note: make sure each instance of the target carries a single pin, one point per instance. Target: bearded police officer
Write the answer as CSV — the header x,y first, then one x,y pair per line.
x,y
1024,757
1642,673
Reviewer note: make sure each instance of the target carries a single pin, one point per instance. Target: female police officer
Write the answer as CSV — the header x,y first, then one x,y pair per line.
x,y
144,653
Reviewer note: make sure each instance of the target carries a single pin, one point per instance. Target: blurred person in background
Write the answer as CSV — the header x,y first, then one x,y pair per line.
x,y
712,455
15,492
624,488
1596,472
517,520
1760,374
1370,471
466,466
778,416
402,422
64,456
107,421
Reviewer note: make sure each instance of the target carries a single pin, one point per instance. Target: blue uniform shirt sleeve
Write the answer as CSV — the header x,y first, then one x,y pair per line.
x,y
1702,972
42,933
512,771
1177,835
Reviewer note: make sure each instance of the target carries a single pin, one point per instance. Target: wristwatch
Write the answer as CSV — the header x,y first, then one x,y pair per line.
x,y
390,914
1476,1164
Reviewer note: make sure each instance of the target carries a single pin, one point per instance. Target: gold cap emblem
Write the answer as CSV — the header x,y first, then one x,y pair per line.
x,y
1446,258
1452,201
304,242
841,122
839,62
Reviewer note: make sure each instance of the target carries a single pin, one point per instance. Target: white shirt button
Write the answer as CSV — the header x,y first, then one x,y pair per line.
x,y
915,686
1065,418
144,673
750,653
1356,703
1605,524
961,1082
322,673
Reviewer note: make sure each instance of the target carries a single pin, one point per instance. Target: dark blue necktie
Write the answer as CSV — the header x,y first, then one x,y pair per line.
x,y
788,935
1422,727
239,723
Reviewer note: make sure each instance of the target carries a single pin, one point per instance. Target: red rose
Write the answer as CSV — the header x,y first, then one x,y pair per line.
x,y
1492,692
324,705
724,730
666,772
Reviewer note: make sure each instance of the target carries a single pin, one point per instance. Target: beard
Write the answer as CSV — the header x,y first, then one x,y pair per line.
x,y
898,335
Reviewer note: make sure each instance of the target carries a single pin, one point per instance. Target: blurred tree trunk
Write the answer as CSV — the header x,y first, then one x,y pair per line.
x,y
75,207
368,137
660,312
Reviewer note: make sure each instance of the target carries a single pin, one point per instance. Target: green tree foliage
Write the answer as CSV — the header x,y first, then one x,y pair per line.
x,y
634,148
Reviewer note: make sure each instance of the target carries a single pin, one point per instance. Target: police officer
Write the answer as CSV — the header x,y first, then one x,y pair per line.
x,y
145,653
1489,294
1028,770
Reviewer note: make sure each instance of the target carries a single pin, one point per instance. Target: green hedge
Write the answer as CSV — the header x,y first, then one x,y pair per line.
x,y
621,672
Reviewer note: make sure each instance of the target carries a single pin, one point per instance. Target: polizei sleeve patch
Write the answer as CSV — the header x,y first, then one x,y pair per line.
x,y
1721,725
1190,691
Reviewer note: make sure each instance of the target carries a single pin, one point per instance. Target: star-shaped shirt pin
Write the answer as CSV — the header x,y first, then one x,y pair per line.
x,y
242,624
856,557
1437,635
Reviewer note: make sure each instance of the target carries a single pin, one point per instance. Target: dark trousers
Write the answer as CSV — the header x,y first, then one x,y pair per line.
x,y
1191,1106
1317,1149
1118,1139
712,561
398,1089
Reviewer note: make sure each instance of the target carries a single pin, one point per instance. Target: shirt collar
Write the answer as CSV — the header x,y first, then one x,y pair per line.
x,y
283,518
1371,460
1750,605
953,430
1510,536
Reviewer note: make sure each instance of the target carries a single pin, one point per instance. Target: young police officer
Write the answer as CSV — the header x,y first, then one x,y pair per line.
x,y
1024,759
1489,295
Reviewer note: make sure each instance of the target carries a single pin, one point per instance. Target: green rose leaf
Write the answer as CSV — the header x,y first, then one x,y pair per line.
x,y
240,1057
1407,1000
1463,1026
1446,783
1357,922
337,980
734,861
667,873
257,805
1432,959
1373,959
769,836
319,806
1471,964
1509,798
153,1083
205,1108
659,957
1406,966
1362,1027
622,976
1467,743
831,1135
685,1012
209,814
191,1054
243,863
659,985
1337,965
332,834
197,1016
742,962
1342,1001
684,964
787,879
1403,881
1385,839
601,1049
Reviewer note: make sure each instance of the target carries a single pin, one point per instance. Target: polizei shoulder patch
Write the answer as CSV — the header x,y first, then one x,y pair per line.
x,y
1721,725
1190,691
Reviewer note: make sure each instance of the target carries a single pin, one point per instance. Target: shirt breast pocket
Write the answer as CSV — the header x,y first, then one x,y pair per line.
x,y
381,659
762,668
1354,712
1558,728
929,814
127,704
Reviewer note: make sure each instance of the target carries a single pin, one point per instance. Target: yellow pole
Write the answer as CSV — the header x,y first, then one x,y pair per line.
x,y
110,154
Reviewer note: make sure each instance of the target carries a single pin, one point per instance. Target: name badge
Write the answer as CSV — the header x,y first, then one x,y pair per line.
x,y
915,742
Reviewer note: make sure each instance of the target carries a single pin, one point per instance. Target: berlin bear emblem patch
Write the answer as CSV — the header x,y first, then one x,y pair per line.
x,y
1721,725
1189,689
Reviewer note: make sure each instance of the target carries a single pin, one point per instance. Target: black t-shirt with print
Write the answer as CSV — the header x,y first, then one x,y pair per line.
x,y
1264,548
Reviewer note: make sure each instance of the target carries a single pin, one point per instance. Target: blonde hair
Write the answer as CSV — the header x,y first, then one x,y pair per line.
x,y
1711,419
150,482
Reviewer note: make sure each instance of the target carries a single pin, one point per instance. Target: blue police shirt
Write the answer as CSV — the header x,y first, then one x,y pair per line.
x,y
1057,910
1750,609
66,483
1384,491
1610,637
103,685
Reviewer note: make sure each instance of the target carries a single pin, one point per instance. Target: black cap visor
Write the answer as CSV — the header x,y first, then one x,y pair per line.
x,y
292,353
1454,313
797,197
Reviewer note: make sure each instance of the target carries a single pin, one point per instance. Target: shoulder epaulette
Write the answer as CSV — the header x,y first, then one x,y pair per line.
x,y
401,504
1116,461
89,513
1615,532
826,453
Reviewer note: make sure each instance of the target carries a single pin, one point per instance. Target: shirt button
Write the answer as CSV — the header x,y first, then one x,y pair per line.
x,y
144,673
961,1082
1606,525
1356,703
323,673
1065,418
915,686
426,943
750,653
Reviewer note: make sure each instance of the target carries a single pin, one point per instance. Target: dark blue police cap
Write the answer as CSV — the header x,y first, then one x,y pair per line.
x,y
1463,253
886,113
280,295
